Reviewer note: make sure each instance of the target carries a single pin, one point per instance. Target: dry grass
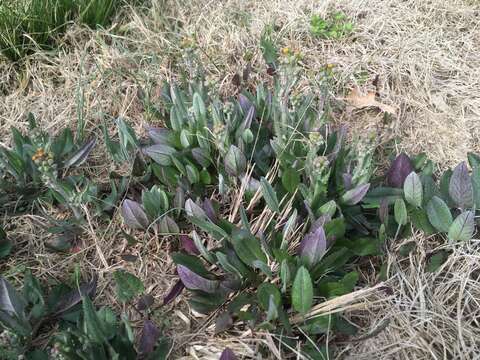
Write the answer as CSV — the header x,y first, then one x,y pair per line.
x,y
425,54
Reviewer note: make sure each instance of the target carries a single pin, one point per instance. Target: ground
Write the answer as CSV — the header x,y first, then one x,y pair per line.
x,y
420,56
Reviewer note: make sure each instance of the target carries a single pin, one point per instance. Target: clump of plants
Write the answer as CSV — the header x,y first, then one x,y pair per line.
x,y
268,199
40,169
334,26
26,25
81,331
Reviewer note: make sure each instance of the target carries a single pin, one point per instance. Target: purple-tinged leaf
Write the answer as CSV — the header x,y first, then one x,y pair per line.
x,y
134,215
194,281
347,181
187,244
245,103
383,210
320,222
192,209
355,195
461,187
74,297
174,292
159,136
149,337
202,157
223,322
399,170
145,302
313,246
81,155
228,354
209,210
247,122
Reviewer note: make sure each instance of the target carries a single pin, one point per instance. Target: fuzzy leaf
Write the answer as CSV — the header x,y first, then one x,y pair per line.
x,y
269,195
128,286
355,195
193,210
160,136
463,227
194,281
149,337
439,214
11,301
188,245
399,170
313,247
460,188
290,180
235,162
302,291
413,190
134,215
168,226
161,154
400,212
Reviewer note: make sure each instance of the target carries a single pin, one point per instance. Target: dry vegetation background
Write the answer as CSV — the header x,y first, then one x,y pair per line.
x,y
425,55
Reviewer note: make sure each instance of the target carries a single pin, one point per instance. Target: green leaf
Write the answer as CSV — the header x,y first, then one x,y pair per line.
x,y
203,250
420,220
302,291
5,244
128,286
269,195
436,261
439,214
290,179
206,225
92,323
248,247
155,202
413,190
476,186
266,291
463,227
400,212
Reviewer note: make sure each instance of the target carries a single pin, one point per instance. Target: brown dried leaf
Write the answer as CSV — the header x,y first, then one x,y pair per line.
x,y
359,101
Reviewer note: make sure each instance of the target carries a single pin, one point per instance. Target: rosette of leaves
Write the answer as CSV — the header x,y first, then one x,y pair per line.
x,y
445,205
23,313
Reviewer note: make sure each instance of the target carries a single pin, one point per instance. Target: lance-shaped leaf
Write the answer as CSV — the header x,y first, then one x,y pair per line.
x,y
269,195
235,162
412,187
81,155
245,103
188,245
174,292
248,247
463,227
355,195
194,281
160,136
313,247
476,186
10,300
460,188
193,210
201,248
207,206
399,170
161,154
134,215
383,210
228,354
72,298
400,212
149,337
167,225
439,214
302,291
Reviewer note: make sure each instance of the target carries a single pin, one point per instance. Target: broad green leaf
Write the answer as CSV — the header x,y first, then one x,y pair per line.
x,y
400,212
93,325
248,247
476,186
302,291
463,227
413,190
420,220
290,179
439,214
206,225
128,286
269,195
265,291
